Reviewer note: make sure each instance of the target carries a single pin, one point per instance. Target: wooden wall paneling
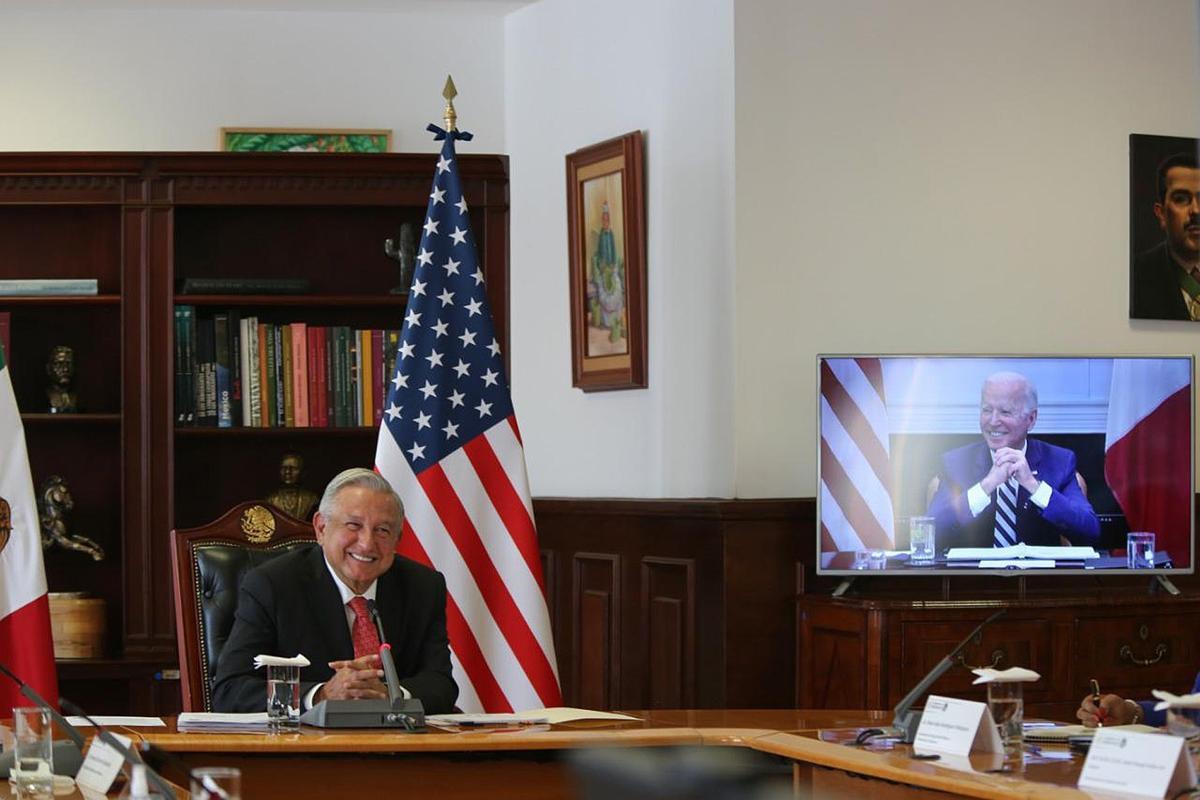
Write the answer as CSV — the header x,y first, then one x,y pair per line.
x,y
596,618
668,631
834,659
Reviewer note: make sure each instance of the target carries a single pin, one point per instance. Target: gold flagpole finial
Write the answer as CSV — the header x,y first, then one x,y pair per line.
x,y
449,92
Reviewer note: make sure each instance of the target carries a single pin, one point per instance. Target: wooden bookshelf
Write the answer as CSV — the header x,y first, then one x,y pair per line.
x,y
138,223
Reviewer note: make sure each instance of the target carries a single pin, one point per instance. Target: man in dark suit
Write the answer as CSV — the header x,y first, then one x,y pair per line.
x,y
1164,282
1009,488
304,602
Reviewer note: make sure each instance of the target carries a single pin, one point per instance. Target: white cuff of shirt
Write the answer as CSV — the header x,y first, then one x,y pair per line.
x,y
978,499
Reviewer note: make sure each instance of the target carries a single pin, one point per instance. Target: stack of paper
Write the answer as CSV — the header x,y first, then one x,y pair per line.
x,y
210,721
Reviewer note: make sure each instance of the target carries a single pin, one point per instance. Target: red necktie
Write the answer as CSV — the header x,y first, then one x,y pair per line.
x,y
366,638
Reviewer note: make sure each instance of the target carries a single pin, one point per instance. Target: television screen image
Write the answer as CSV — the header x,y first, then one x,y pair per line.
x,y
1037,464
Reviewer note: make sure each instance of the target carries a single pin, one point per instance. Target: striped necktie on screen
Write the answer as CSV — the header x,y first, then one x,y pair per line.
x,y
1006,514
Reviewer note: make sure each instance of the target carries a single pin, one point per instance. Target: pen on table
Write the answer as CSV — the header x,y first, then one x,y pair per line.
x,y
1101,714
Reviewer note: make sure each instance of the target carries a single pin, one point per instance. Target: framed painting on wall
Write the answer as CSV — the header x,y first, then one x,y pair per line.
x,y
305,140
606,212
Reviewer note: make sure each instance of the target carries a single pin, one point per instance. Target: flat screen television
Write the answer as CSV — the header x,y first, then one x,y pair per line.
x,y
1023,464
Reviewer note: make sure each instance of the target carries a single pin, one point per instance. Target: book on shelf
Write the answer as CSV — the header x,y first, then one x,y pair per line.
x,y
223,362
300,373
48,286
243,286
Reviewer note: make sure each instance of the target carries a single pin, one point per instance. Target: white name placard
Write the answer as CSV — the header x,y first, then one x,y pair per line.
x,y
101,766
958,727
1142,764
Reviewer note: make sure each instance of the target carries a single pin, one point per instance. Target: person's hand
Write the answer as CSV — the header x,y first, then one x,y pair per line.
x,y
1017,467
997,475
356,679
1113,710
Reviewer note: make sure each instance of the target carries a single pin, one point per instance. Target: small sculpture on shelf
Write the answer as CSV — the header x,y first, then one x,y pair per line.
x,y
403,250
291,497
54,504
61,369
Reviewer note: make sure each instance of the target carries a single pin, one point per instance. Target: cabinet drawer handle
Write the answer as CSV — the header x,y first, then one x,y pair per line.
x,y
1126,653
997,658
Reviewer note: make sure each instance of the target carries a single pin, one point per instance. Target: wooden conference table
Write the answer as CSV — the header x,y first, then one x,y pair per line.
x,y
529,761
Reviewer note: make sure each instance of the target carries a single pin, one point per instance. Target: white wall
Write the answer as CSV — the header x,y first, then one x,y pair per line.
x,y
938,176
168,80
579,72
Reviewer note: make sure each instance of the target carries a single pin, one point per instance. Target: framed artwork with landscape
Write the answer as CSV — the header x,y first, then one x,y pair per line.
x,y
306,140
606,212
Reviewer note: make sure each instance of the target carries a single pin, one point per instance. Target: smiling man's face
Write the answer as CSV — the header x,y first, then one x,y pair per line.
x,y
1004,417
359,536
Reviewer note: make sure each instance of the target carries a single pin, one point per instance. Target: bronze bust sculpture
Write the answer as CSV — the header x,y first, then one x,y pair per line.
x,y
61,369
291,497
54,504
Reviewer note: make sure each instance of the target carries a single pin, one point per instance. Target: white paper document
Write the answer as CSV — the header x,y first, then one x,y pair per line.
x,y
100,767
128,722
207,720
1022,550
552,716
1016,563
958,727
1142,764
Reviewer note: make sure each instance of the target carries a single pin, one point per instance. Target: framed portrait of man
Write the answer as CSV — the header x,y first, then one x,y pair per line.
x,y
1164,228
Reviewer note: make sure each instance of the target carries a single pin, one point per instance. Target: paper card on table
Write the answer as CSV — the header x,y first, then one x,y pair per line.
x,y
1143,764
100,767
959,727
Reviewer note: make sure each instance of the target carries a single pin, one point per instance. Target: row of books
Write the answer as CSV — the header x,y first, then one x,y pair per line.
x,y
235,371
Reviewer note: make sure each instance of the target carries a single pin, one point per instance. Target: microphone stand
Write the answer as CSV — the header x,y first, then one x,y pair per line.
x,y
905,720
106,736
68,756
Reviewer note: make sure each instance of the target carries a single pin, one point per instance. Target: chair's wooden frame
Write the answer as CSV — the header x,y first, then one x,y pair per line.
x,y
228,529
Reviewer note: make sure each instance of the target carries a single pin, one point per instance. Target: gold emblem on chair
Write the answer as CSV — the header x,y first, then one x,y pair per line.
x,y
5,523
258,523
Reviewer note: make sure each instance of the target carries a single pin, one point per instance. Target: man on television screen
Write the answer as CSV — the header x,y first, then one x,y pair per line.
x,y
1165,281
1009,488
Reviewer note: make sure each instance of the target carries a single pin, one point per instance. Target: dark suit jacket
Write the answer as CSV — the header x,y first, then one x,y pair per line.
x,y
291,605
1068,513
1154,286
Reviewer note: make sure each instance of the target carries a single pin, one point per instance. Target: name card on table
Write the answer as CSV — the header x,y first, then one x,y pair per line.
x,y
100,767
1142,764
958,727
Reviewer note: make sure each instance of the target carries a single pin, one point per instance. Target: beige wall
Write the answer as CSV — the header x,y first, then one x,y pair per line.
x,y
937,176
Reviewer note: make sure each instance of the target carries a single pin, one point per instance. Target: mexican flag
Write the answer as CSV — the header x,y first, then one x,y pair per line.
x,y
26,646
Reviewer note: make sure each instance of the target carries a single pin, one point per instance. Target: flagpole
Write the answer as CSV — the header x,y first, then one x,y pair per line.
x,y
449,116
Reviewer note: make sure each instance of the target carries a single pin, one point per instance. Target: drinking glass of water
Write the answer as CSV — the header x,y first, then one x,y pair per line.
x,y
921,546
33,753
283,697
1139,550
1006,701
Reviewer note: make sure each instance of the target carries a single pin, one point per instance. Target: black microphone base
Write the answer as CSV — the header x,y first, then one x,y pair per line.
x,y
67,759
906,726
403,714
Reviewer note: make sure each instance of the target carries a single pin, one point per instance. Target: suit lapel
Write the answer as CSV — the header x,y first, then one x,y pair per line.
x,y
389,595
325,604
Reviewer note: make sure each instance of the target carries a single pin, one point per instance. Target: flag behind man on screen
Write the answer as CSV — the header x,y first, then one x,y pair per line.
x,y
26,644
449,445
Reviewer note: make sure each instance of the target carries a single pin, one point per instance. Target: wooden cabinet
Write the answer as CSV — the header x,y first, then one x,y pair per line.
x,y
138,223
867,653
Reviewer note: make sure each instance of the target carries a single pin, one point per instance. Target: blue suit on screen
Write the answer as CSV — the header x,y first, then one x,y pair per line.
x,y
1068,513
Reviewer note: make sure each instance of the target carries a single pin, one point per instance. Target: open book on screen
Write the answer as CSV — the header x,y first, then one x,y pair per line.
x,y
1021,550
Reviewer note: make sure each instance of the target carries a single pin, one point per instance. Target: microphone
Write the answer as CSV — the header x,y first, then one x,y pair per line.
x,y
905,721
385,655
68,756
106,736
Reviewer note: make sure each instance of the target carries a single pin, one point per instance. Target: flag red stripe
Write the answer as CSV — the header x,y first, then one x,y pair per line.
x,y
28,650
512,423
507,503
1158,499
858,514
466,646
873,369
856,424
512,623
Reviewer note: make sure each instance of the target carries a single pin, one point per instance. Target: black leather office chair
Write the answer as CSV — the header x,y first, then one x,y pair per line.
x,y
208,564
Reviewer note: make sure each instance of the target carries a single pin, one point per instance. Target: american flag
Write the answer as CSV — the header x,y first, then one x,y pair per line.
x,y
856,485
449,445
